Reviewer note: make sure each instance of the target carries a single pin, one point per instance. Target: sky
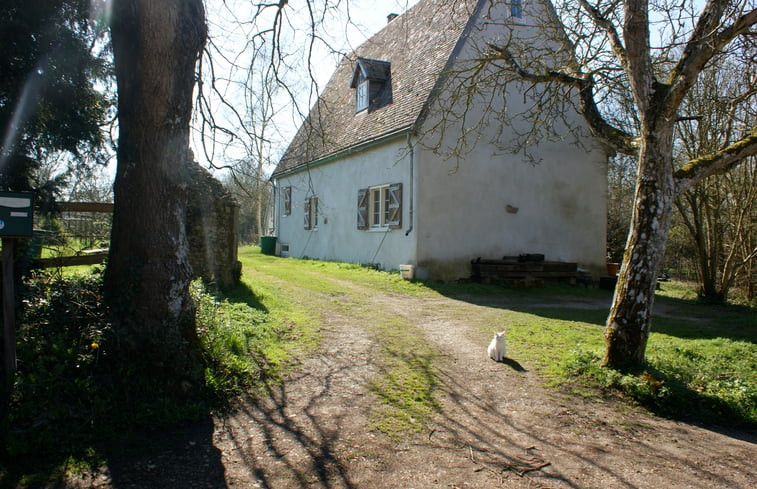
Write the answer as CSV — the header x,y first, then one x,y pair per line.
x,y
237,31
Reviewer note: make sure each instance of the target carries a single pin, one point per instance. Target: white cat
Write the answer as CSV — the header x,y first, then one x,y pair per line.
x,y
497,348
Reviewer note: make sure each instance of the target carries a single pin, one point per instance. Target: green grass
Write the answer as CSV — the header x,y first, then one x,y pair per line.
x,y
61,400
701,359
255,333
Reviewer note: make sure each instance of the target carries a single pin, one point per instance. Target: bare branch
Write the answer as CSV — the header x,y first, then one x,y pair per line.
x,y
602,21
718,162
705,42
584,83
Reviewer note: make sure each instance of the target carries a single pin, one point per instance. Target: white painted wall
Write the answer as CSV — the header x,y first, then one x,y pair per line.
x,y
493,198
336,185
494,206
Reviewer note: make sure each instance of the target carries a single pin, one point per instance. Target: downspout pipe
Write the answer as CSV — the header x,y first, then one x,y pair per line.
x,y
412,180
277,207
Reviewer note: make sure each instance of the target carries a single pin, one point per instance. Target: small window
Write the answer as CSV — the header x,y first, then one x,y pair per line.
x,y
362,96
515,8
286,193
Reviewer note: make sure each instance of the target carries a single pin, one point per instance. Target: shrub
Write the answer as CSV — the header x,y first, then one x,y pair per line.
x,y
56,399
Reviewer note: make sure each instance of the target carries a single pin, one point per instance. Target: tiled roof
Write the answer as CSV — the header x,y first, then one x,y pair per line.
x,y
418,45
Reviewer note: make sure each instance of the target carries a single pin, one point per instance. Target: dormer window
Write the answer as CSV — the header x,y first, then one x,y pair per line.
x,y
516,9
362,95
372,81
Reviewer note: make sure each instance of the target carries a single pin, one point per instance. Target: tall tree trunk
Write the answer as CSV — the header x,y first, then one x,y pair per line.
x,y
156,44
259,196
628,324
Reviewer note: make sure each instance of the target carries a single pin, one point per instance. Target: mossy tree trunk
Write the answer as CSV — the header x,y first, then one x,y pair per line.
x,y
156,44
629,322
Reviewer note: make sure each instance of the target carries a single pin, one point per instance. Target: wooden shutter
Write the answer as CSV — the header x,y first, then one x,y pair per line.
x,y
313,212
394,220
287,194
362,208
307,213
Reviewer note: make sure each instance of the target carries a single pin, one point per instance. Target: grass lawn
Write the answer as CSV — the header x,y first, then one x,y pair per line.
x,y
701,359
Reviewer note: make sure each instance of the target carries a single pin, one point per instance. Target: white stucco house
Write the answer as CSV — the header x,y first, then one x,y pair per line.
x,y
412,156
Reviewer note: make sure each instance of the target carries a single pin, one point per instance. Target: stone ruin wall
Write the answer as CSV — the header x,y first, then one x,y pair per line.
x,y
212,222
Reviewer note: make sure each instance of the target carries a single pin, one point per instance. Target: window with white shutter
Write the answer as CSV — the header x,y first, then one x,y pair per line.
x,y
380,207
362,208
311,213
286,194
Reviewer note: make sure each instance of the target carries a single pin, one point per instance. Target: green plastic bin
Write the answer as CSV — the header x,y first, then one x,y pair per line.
x,y
268,245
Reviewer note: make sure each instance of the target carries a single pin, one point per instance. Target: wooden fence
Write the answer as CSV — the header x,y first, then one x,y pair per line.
x,y
85,228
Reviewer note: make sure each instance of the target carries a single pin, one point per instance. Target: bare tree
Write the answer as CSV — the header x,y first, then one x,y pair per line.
x,y
718,211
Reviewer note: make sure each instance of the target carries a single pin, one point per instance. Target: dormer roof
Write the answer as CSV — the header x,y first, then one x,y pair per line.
x,y
371,69
413,49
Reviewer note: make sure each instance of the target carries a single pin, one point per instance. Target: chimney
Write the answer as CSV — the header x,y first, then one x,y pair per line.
x,y
391,17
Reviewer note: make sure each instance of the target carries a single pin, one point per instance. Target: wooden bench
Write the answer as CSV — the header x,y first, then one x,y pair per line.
x,y
523,268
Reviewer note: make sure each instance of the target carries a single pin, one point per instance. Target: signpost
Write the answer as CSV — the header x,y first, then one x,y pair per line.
x,y
16,216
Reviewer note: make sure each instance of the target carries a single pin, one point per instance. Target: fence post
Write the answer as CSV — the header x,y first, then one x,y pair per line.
x,y
9,310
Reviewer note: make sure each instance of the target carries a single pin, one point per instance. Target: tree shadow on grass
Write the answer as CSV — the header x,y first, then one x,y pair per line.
x,y
244,294
177,457
664,395
671,316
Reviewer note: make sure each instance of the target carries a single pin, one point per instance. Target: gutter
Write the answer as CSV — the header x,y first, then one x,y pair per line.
x,y
374,141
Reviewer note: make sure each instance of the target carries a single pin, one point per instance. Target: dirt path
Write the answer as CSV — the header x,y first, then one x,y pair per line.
x,y
498,427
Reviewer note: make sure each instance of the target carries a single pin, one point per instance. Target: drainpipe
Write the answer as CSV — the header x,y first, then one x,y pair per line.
x,y
412,182
277,206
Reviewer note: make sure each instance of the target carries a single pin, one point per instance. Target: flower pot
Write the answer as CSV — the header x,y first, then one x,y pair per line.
x,y
612,269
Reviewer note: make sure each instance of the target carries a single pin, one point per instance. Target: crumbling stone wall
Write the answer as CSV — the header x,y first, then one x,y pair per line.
x,y
212,222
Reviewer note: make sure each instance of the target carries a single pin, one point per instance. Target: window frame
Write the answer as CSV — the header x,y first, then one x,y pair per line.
x,y
362,94
286,193
380,207
516,8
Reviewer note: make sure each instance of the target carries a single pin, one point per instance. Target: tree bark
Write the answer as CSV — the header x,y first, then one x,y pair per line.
x,y
629,322
156,44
